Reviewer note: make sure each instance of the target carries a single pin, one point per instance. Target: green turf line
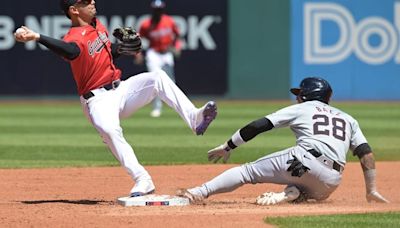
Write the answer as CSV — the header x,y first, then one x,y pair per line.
x,y
59,135
369,220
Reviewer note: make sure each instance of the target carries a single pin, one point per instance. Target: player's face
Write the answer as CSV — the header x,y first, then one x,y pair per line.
x,y
86,8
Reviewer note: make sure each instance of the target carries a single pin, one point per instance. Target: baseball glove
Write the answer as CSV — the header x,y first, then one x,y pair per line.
x,y
131,43
297,168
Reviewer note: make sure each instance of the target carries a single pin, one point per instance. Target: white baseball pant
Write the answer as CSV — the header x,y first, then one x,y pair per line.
x,y
105,109
318,183
157,61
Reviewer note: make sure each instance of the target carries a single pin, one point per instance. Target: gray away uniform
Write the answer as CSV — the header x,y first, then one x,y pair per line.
x,y
319,129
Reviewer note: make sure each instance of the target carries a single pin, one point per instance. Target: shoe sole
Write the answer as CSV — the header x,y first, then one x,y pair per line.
x,y
209,114
137,194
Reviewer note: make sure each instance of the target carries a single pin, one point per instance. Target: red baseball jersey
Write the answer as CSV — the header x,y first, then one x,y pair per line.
x,y
161,36
94,67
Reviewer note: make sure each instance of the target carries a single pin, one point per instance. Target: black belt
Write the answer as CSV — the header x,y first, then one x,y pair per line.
x,y
335,165
163,52
112,85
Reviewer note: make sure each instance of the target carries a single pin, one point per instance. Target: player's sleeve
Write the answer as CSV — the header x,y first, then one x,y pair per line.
x,y
67,50
357,137
280,118
284,116
175,29
177,39
249,131
143,30
254,128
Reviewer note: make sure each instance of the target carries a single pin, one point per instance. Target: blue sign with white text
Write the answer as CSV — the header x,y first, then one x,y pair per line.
x,y
355,45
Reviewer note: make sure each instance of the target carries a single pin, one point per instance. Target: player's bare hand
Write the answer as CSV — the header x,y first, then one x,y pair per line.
x,y
219,152
376,197
24,34
176,52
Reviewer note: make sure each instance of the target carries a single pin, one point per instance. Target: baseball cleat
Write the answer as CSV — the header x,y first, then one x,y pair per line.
x,y
155,113
208,112
272,198
142,187
192,197
137,194
376,197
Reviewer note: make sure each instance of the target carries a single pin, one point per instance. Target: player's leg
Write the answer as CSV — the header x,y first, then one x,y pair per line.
x,y
318,183
268,169
103,112
310,187
169,69
142,88
264,170
154,62
157,107
157,103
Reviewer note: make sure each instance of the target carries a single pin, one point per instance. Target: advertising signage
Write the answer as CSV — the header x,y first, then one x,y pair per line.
x,y
354,44
30,69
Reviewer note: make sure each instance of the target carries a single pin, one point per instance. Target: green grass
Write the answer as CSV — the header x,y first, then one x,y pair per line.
x,y
372,220
59,135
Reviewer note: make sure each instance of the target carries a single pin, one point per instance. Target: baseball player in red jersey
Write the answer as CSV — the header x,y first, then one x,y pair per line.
x,y
105,98
163,34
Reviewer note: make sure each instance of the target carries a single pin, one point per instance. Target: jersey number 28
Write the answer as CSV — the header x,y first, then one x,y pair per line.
x,y
321,126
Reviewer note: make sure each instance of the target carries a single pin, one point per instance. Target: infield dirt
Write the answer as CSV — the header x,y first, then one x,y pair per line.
x,y
86,197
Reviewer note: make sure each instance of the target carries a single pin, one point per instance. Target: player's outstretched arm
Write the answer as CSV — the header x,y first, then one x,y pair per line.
x,y
368,165
68,50
240,137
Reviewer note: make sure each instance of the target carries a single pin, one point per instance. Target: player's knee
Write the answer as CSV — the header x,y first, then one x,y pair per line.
x,y
110,131
250,174
156,76
244,174
161,75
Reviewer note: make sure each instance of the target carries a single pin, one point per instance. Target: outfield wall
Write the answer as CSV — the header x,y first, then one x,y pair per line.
x,y
259,49
30,69
354,44
255,49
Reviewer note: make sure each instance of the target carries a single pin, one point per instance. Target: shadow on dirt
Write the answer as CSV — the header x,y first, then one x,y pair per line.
x,y
83,202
